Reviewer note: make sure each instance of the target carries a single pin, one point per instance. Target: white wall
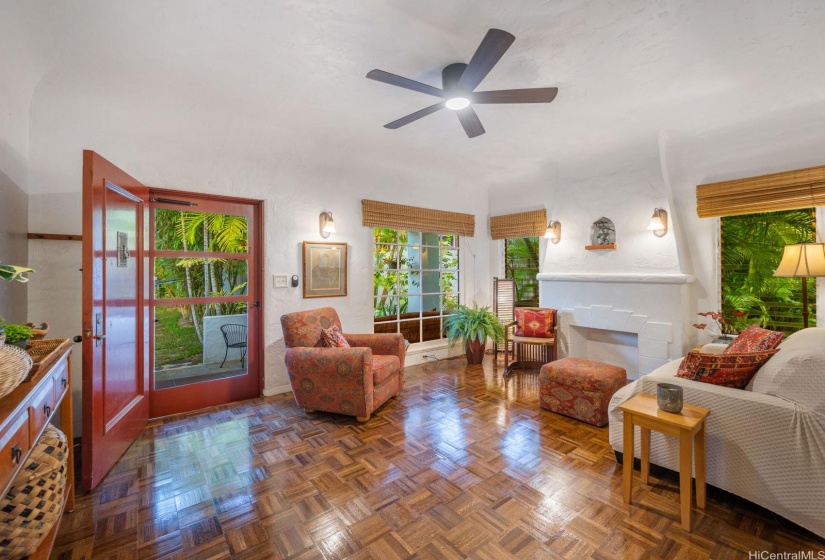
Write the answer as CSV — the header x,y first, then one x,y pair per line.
x,y
20,71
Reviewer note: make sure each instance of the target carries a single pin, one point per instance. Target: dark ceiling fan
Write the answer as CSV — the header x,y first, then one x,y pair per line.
x,y
458,82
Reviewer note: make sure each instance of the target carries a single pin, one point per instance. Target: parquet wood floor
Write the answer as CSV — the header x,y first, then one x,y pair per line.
x,y
462,464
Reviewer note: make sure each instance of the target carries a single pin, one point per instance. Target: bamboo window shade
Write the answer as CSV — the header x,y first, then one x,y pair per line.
x,y
523,224
788,190
398,216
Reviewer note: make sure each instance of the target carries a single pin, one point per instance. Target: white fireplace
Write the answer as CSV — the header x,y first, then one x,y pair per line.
x,y
635,321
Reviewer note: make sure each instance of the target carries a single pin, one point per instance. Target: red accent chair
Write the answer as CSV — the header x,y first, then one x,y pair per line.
x,y
533,338
354,381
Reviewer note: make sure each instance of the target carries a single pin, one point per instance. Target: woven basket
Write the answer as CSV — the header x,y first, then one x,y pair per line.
x,y
43,353
14,365
32,506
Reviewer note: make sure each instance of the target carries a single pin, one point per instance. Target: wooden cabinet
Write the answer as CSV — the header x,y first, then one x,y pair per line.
x,y
24,414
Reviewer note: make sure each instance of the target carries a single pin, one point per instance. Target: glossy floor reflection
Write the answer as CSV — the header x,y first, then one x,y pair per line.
x,y
462,464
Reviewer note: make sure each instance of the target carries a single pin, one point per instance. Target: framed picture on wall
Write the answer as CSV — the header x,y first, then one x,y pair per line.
x,y
325,269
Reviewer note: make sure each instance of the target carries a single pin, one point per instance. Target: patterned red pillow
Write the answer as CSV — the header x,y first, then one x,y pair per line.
x,y
333,338
754,339
536,323
729,370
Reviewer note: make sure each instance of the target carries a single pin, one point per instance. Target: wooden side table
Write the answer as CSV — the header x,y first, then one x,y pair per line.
x,y
688,426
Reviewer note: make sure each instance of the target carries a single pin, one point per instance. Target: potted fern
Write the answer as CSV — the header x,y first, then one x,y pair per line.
x,y
16,335
473,325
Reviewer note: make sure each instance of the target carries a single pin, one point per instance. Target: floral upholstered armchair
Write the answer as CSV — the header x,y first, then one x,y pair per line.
x,y
352,380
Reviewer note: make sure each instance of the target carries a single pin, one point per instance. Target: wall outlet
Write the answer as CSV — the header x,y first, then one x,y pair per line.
x,y
279,280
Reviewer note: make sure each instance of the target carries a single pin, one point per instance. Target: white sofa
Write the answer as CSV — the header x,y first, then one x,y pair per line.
x,y
765,443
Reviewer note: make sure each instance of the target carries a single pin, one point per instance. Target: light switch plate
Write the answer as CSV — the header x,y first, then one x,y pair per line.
x,y
279,280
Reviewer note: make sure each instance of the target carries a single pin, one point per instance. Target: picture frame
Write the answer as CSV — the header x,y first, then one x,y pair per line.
x,y
325,269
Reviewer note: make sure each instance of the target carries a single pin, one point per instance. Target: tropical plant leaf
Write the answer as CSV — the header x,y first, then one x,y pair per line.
x,y
11,272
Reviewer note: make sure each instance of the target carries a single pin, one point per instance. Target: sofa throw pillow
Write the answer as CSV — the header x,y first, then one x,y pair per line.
x,y
333,338
535,323
754,339
728,370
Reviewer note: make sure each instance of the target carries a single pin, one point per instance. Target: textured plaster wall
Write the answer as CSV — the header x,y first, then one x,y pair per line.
x,y
20,69
13,246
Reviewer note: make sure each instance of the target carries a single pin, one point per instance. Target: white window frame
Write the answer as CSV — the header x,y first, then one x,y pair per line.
x,y
440,342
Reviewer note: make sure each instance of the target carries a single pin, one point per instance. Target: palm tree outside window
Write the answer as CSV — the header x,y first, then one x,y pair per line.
x,y
521,263
751,248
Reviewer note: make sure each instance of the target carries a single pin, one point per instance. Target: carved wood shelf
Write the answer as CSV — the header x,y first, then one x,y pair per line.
x,y
606,247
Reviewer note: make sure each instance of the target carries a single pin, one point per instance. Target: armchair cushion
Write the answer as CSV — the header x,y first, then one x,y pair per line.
x,y
535,322
382,344
384,367
304,328
333,338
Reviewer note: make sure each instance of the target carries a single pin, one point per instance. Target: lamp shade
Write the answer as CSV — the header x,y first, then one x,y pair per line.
x,y
656,223
802,259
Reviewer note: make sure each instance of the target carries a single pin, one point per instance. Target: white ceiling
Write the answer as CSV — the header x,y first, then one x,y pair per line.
x,y
292,73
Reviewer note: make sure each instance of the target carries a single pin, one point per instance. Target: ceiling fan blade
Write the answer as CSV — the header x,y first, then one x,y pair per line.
x,y
470,122
489,52
531,95
400,81
414,116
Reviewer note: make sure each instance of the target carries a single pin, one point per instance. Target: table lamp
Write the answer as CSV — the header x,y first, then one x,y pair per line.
x,y
803,260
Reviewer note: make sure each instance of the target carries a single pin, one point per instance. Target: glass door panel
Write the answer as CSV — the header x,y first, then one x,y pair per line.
x,y
184,230
204,303
187,353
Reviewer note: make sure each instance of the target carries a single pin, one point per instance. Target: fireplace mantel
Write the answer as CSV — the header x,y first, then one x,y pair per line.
x,y
628,278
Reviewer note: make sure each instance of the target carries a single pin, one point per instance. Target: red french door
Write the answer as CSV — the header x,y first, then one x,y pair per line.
x,y
205,264
115,376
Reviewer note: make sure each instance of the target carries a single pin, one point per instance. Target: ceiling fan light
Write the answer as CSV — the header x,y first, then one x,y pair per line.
x,y
457,103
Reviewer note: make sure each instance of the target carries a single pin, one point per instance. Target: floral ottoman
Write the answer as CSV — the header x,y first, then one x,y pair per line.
x,y
580,388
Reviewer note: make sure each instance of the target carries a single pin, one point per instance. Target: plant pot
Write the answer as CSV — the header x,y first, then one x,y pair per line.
x,y
20,343
724,339
475,351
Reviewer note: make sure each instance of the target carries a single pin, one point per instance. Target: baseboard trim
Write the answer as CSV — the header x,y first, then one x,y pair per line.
x,y
277,390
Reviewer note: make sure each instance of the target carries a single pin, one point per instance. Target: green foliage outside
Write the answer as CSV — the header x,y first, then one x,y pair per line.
x,y
198,276
751,247
521,263
175,337
473,323
401,263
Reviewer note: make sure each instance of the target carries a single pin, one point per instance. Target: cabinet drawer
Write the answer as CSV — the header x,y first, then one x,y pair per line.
x,y
14,444
41,407
61,379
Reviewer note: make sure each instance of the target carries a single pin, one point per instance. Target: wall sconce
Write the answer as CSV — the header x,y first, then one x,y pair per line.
x,y
553,232
326,224
658,222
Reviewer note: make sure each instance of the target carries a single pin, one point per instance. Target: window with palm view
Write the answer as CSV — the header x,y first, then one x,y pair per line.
x,y
521,263
415,282
751,248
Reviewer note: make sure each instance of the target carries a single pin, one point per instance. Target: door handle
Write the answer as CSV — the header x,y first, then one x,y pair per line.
x,y
16,454
47,410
